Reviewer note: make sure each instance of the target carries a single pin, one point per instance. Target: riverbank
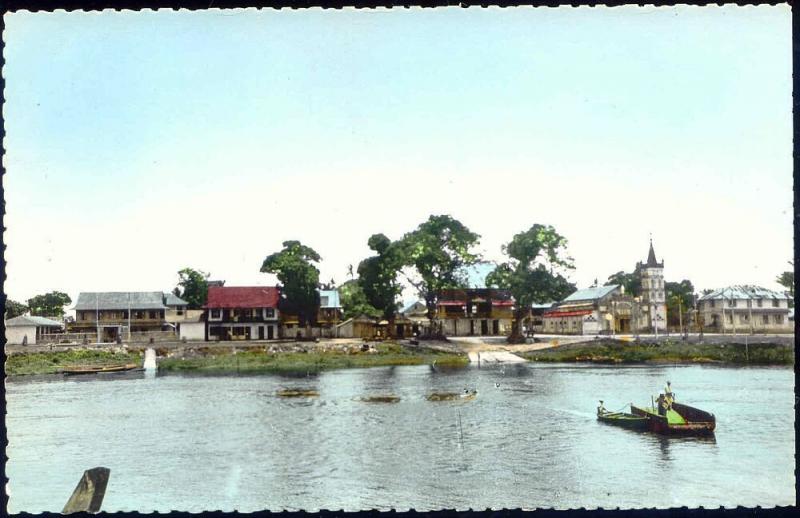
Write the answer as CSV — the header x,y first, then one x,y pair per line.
x,y
617,351
313,360
21,364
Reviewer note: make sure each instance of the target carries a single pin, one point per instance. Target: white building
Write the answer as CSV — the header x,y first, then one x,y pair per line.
x,y
26,329
745,309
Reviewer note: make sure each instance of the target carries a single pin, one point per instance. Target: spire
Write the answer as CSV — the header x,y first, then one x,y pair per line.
x,y
651,256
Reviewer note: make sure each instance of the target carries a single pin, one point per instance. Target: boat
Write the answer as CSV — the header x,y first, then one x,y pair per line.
x,y
678,420
622,419
381,399
100,370
297,393
453,396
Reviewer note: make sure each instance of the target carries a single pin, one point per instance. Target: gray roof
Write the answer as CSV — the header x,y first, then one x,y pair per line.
x,y
120,300
415,306
173,300
28,321
743,291
591,293
333,298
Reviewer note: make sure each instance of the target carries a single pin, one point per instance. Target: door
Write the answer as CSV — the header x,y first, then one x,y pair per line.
x,y
495,327
270,332
399,331
260,332
484,327
471,327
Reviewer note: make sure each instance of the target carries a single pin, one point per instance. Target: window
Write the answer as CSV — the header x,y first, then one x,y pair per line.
x,y
776,303
323,301
216,314
749,303
153,315
744,319
730,318
759,302
713,303
779,319
732,303
269,312
764,319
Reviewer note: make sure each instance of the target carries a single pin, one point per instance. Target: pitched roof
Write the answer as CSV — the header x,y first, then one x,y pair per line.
x,y
120,300
28,320
332,298
743,291
591,293
415,306
170,299
242,297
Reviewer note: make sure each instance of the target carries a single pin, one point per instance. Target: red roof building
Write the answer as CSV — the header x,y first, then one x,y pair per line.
x,y
242,297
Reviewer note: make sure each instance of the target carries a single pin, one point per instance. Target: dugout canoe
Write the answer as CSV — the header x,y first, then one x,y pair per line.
x,y
679,420
98,370
622,419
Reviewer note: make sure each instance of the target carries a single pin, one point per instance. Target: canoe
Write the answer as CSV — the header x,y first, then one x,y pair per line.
x,y
380,399
679,420
629,421
452,396
298,393
98,370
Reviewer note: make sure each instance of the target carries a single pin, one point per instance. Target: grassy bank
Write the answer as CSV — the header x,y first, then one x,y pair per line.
x,y
261,361
613,351
54,362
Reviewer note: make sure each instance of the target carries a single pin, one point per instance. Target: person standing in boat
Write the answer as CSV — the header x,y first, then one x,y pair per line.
x,y
669,397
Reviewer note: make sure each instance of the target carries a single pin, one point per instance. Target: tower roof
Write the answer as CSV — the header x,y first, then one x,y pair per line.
x,y
651,258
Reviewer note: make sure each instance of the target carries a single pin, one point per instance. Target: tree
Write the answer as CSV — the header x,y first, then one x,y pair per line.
x,y
299,279
632,282
192,287
354,302
532,273
15,309
49,305
680,298
786,279
377,275
437,251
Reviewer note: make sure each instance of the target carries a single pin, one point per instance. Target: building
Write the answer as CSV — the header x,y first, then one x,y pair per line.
x,y
597,310
28,330
653,297
242,313
361,326
112,315
178,312
471,312
536,318
417,315
192,327
744,309
330,311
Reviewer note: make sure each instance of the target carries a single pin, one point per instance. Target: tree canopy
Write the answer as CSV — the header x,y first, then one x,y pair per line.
x,y
632,282
786,279
377,275
680,296
192,287
437,252
533,272
299,278
15,309
49,305
354,302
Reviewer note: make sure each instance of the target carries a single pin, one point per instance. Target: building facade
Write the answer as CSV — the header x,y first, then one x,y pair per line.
x,y
744,309
27,330
597,310
114,315
242,313
653,297
475,312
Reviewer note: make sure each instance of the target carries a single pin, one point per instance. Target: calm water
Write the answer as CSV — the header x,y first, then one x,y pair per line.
x,y
205,443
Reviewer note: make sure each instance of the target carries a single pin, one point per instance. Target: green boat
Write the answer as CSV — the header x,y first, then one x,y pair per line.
x,y
621,419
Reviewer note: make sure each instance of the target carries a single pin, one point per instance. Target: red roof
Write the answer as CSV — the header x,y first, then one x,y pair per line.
x,y
242,297
451,303
502,303
559,314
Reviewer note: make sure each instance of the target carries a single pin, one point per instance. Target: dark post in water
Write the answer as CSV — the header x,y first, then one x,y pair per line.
x,y
88,495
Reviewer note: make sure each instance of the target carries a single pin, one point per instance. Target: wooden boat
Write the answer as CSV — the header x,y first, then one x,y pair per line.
x,y
297,393
381,399
678,420
624,420
453,396
99,370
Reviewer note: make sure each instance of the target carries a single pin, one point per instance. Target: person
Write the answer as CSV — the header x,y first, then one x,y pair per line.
x,y
669,397
662,405
601,409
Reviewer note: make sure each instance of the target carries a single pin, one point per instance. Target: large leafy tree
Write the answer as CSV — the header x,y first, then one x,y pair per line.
x,y
786,279
192,287
537,258
437,252
49,304
299,278
354,302
15,309
632,282
377,275
680,298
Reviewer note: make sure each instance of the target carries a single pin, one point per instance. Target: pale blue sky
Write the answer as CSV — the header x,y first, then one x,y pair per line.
x,y
141,142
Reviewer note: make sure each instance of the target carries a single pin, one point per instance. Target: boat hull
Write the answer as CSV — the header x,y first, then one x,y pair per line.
x,y
101,370
695,421
623,420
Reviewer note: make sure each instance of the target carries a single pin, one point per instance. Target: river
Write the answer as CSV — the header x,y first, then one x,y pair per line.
x,y
530,439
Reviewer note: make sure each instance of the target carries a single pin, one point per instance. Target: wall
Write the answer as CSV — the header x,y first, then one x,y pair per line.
x,y
15,334
193,331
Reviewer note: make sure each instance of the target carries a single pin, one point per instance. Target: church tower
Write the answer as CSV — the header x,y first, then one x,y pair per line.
x,y
654,308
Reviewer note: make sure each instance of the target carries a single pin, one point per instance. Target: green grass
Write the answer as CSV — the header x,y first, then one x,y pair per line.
x,y
611,351
53,362
261,361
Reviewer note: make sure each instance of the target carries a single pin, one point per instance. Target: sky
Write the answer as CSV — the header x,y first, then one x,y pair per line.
x,y
140,143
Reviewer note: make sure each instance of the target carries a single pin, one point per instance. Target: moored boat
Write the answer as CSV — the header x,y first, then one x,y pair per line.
x,y
99,370
622,419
